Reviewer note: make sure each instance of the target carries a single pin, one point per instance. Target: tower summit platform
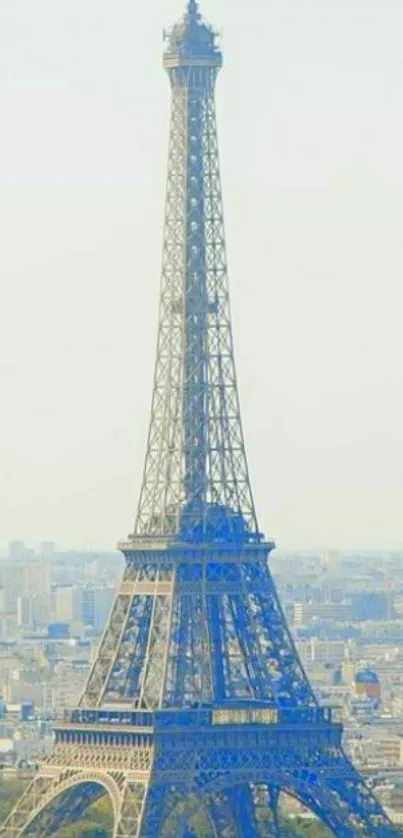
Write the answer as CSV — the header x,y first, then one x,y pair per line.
x,y
191,42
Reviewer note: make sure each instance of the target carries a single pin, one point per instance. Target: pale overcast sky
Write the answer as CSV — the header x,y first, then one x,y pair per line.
x,y
311,135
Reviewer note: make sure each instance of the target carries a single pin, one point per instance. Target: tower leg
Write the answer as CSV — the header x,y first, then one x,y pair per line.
x,y
223,816
145,808
257,812
274,799
337,794
246,813
190,809
131,810
331,789
243,812
52,801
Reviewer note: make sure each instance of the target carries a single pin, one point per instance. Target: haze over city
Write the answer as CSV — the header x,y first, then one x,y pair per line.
x,y
313,187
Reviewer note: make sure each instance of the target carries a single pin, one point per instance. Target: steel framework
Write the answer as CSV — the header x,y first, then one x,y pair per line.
x,y
197,690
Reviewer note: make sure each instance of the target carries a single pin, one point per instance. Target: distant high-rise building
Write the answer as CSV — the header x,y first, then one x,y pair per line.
x,y
17,550
68,604
36,577
13,584
33,611
23,575
47,549
25,611
96,605
330,557
372,605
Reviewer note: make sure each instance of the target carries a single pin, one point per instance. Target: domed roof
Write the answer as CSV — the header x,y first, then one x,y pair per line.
x,y
366,676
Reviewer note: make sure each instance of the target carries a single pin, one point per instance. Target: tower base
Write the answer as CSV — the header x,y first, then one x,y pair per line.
x,y
232,760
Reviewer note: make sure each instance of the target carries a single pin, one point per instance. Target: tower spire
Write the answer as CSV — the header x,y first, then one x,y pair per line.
x,y
193,8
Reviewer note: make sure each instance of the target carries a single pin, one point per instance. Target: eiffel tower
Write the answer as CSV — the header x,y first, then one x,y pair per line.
x,y
197,692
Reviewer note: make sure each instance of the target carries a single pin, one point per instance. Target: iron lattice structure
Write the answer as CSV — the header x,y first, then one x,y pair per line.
x,y
196,472
197,692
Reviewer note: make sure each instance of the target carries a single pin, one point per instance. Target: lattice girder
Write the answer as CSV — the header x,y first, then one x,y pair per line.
x,y
195,625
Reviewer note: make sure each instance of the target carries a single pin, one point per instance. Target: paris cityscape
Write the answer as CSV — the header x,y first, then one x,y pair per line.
x,y
200,681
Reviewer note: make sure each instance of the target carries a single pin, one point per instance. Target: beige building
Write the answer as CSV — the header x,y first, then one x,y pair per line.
x,y
24,578
68,604
34,611
336,612
321,652
389,750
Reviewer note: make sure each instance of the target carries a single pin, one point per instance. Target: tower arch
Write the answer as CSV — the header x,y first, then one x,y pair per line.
x,y
46,807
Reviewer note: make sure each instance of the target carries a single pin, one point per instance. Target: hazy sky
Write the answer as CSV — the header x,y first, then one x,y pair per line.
x,y
311,135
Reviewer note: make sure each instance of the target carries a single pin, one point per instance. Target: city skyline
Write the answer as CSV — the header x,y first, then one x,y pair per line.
x,y
314,232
